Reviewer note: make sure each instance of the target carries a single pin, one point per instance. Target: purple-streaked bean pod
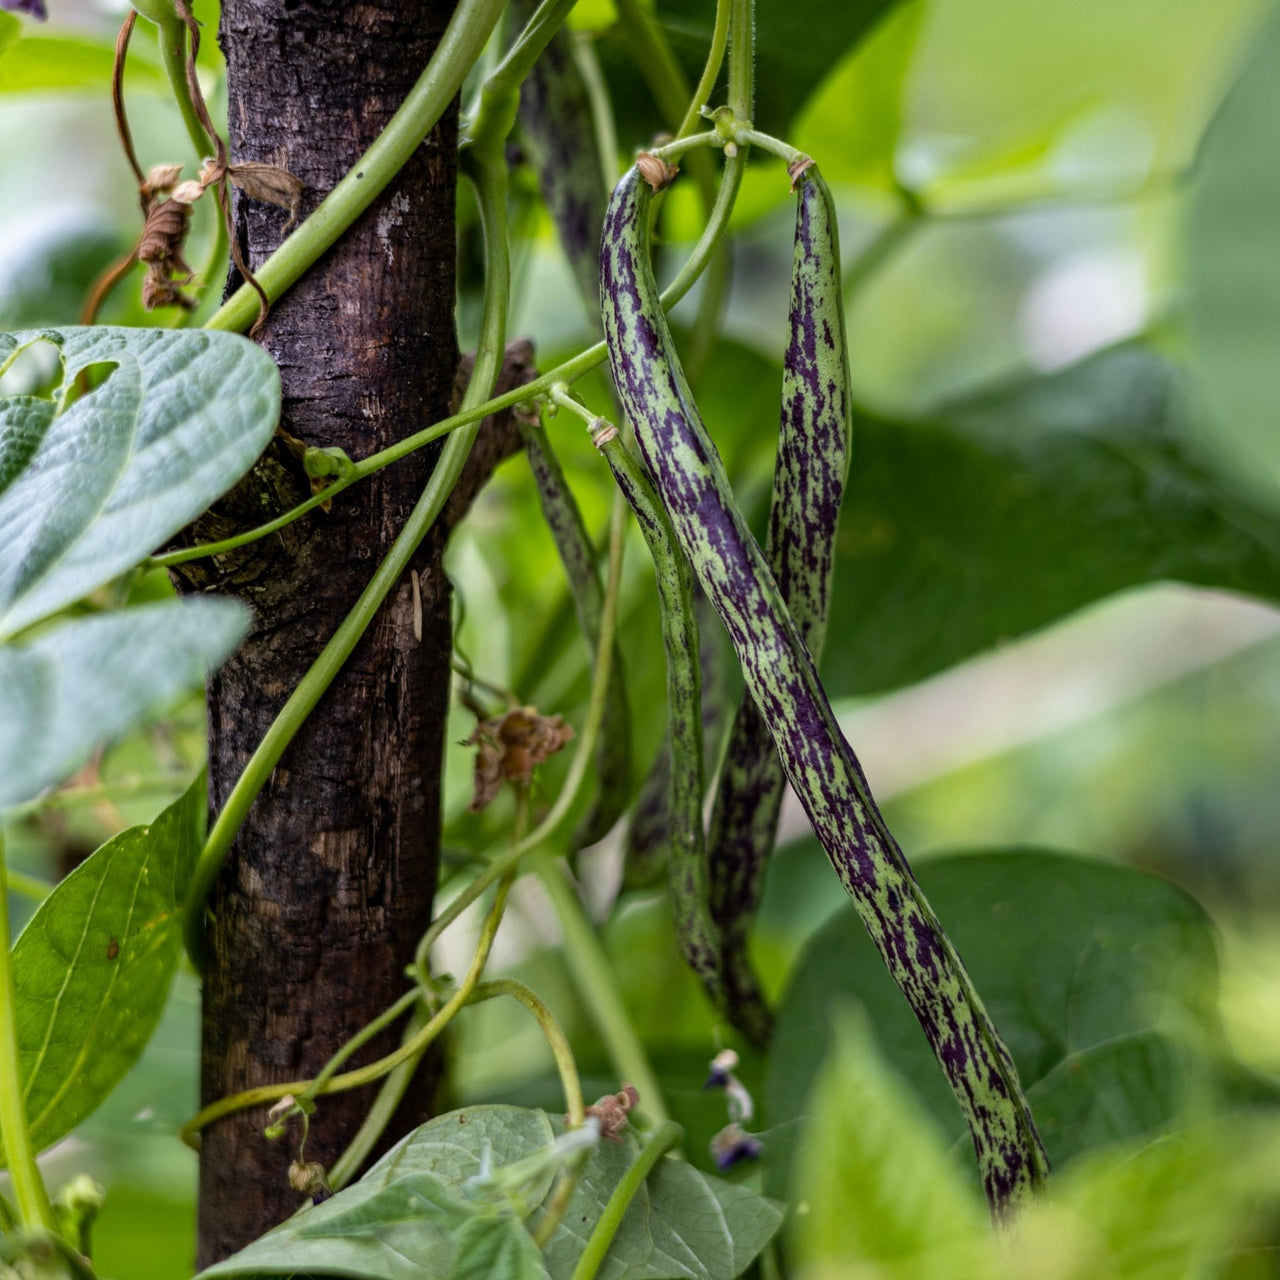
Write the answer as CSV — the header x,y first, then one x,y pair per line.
x,y
645,849
808,488
573,542
559,138
781,677
686,858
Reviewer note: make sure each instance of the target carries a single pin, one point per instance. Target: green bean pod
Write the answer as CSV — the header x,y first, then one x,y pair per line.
x,y
686,862
573,542
780,674
649,831
808,488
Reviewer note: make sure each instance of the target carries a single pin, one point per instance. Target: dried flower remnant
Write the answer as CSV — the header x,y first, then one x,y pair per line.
x,y
510,747
311,1179
656,171
611,1111
732,1145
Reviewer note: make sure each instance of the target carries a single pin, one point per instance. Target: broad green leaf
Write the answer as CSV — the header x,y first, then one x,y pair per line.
x,y
874,1181
853,123
92,968
179,418
1080,964
498,1249
10,30
681,1224
91,679
1014,508
1234,275
67,62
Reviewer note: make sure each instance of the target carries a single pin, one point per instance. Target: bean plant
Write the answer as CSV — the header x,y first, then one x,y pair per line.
x,y
1004,1063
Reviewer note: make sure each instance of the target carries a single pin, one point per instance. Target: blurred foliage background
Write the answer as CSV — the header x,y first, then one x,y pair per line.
x,y
1037,457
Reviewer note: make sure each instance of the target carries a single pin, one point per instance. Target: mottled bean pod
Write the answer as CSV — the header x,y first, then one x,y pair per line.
x,y
808,487
686,860
613,755
780,674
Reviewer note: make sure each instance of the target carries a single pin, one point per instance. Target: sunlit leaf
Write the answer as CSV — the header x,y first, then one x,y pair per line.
x,y
92,968
179,418
66,62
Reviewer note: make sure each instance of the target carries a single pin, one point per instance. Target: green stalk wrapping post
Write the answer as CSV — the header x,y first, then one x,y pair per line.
x,y
808,488
691,482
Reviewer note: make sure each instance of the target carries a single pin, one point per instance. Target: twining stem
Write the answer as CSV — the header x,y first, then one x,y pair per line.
x,y
582,758
491,192
570,371
29,886
462,43
710,72
173,57
742,68
411,1049
592,974
663,1139
570,1082
34,1210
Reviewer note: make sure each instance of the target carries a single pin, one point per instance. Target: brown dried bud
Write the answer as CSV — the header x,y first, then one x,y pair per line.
x,y
611,1111
309,1178
796,169
187,192
165,230
159,291
511,746
270,183
656,171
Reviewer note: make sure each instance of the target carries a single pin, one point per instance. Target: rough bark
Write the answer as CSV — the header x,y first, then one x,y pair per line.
x,y
330,881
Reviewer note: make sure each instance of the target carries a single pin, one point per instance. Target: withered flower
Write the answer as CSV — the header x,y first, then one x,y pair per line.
x,y
510,747
611,1111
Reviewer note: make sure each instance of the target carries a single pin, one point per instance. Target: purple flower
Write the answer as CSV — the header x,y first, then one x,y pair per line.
x,y
32,8
733,1144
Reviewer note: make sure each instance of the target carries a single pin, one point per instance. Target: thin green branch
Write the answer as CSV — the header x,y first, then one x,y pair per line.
x,y
664,1139
742,66
463,41
34,1210
173,57
710,72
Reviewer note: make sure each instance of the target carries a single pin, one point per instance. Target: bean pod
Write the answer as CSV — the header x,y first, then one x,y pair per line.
x,y
686,861
808,488
780,674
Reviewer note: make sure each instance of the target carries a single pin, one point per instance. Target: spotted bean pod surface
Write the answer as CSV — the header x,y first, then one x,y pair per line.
x,y
779,671
808,488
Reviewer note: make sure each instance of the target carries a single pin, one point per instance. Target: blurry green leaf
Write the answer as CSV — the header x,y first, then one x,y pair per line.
x,y
179,418
50,263
874,1182
1234,271
1015,507
66,62
93,966
10,30
1078,962
94,678
496,1248
682,1223
851,125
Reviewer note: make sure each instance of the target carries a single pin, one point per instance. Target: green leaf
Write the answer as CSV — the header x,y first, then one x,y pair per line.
x,y
853,122
1081,965
874,1176
10,30
93,966
92,679
179,418
682,1224
66,62
1233,271
498,1249
1014,508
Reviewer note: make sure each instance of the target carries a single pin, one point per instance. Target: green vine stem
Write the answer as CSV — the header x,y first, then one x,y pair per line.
x,y
410,1050
710,72
570,371
506,862
172,32
28,886
491,192
664,1138
592,974
462,43
34,1210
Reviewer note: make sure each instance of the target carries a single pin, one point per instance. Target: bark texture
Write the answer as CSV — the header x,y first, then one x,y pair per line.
x,y
330,881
